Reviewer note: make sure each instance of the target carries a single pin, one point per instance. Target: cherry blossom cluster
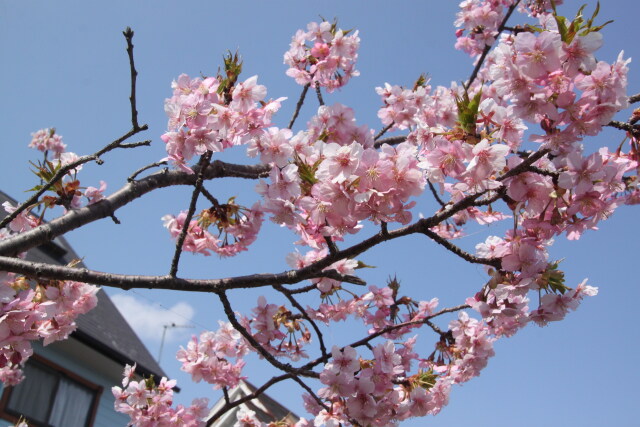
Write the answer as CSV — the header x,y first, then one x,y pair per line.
x,y
380,390
48,140
207,358
247,418
237,228
68,191
530,69
278,330
46,310
402,106
478,22
326,180
151,405
467,142
323,56
211,114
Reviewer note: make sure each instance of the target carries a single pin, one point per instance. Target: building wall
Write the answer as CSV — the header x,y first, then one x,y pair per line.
x,y
87,363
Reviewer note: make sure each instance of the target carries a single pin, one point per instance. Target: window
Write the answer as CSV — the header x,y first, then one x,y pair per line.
x,y
51,396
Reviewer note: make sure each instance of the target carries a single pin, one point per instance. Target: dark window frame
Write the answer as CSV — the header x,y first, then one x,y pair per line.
x,y
60,372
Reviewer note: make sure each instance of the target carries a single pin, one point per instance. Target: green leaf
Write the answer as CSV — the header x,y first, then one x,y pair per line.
x,y
36,188
468,111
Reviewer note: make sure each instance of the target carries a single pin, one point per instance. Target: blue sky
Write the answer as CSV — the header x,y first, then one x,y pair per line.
x,y
64,66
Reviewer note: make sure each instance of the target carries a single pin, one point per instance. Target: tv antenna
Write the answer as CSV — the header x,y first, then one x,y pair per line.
x,y
164,334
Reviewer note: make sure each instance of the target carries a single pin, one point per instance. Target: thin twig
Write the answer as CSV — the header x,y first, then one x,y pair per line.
x,y
128,35
305,315
251,339
435,328
435,194
144,168
311,393
117,143
61,173
319,94
365,341
145,143
299,105
209,196
493,262
192,208
383,131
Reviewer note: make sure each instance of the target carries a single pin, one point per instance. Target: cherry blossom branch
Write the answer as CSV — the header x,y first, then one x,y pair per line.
x,y
435,328
305,315
128,193
544,172
315,396
192,208
117,143
487,48
299,105
303,290
634,98
365,341
105,208
225,393
228,310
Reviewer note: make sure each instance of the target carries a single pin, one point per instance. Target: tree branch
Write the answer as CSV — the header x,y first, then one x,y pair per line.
x,y
493,262
382,132
74,219
319,94
633,129
125,281
299,105
391,140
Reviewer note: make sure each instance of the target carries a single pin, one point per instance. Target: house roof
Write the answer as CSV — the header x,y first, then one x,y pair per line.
x,y
265,407
102,328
